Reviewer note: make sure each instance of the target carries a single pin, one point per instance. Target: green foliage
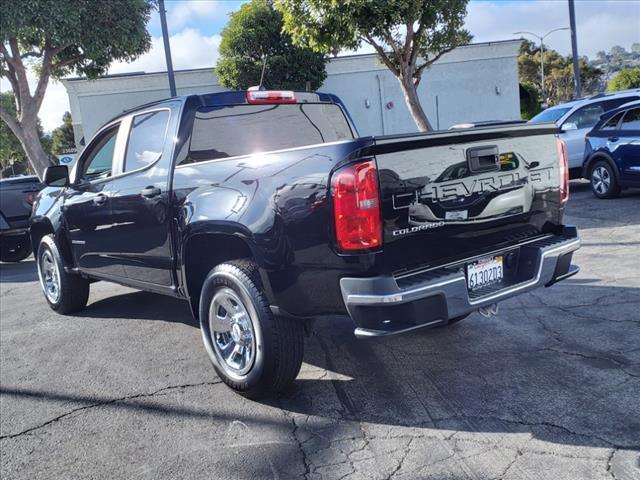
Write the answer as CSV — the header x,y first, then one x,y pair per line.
x,y
84,36
10,148
558,73
625,80
529,101
62,137
255,31
329,26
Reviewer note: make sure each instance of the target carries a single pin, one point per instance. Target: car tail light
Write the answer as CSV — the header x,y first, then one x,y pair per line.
x,y
356,207
270,96
31,197
564,170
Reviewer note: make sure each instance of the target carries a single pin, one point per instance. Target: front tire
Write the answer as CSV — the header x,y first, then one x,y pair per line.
x,y
603,180
253,352
18,252
65,292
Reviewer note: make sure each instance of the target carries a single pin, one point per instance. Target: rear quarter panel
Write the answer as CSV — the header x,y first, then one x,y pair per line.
x,y
279,204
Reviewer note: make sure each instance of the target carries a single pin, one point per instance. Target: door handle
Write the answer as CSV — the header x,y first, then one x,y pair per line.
x,y
100,199
150,192
613,139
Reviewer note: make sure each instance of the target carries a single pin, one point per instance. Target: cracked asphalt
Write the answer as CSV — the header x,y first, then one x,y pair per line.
x,y
547,389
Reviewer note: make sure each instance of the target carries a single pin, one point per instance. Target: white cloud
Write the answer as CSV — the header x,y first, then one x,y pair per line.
x,y
599,24
181,13
189,49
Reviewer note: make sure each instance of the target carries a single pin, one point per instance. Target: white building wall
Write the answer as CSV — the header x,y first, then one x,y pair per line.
x,y
472,83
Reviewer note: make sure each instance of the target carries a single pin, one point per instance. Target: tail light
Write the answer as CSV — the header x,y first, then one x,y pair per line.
x,y
31,197
564,170
270,96
356,207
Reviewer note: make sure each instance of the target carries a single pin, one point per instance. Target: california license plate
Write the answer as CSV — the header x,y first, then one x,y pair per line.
x,y
484,272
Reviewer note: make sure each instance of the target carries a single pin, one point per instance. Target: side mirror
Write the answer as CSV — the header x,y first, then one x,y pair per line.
x,y
567,126
56,176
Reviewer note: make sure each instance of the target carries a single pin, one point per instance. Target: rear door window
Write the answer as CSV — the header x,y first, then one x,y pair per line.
x,y
146,139
631,120
618,102
234,130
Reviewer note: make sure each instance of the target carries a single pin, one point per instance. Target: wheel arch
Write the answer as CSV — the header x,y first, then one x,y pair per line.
x,y
588,166
43,226
202,251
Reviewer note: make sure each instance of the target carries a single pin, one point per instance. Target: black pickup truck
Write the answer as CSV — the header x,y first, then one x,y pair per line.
x,y
16,198
264,209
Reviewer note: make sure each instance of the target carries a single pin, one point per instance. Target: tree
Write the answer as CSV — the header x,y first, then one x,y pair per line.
x,y
12,156
616,60
408,35
625,80
62,137
558,73
55,38
253,36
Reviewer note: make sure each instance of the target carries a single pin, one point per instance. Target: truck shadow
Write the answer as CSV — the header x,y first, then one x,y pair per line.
x,y
138,305
564,371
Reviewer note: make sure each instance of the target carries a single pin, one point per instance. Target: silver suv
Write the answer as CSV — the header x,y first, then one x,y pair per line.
x,y
577,118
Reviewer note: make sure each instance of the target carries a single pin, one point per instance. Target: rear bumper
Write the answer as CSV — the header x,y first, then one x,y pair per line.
x,y
388,305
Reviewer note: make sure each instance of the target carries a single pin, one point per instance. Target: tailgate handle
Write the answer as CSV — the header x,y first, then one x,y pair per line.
x,y
483,159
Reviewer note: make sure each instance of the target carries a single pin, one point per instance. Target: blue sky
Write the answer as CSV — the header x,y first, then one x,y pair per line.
x,y
195,26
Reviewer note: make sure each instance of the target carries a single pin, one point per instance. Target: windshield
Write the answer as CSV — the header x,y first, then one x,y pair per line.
x,y
550,115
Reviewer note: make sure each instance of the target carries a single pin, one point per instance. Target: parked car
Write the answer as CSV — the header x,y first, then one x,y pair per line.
x,y
16,196
612,152
264,209
578,117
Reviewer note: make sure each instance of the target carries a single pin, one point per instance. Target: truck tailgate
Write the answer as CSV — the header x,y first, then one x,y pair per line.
x,y
451,195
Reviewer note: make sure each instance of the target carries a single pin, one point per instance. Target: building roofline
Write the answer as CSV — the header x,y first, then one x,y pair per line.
x,y
204,69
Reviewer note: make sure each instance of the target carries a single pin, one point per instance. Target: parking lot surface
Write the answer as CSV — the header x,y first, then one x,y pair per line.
x,y
547,389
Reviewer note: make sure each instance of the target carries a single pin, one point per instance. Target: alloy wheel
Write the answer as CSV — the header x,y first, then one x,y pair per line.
x,y
601,180
49,276
232,335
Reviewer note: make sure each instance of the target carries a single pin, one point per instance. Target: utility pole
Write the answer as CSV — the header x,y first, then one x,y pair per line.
x,y
167,48
574,49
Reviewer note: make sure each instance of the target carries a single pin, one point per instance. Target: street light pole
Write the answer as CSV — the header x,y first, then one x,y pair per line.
x,y
574,50
541,38
542,70
167,48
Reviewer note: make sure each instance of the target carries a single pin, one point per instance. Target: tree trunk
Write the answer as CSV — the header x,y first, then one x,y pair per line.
x,y
27,132
30,139
413,103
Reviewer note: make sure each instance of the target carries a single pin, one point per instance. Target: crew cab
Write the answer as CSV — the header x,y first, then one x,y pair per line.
x,y
264,210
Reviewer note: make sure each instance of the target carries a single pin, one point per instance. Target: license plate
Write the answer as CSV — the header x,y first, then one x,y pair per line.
x,y
456,215
484,272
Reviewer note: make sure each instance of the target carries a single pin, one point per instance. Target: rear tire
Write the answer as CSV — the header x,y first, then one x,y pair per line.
x,y
253,352
17,253
604,183
65,292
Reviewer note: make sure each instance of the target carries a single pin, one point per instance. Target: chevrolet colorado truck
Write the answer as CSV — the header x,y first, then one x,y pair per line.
x,y
16,197
264,209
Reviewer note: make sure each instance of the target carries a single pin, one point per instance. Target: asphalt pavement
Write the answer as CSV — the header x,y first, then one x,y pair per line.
x,y
547,389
